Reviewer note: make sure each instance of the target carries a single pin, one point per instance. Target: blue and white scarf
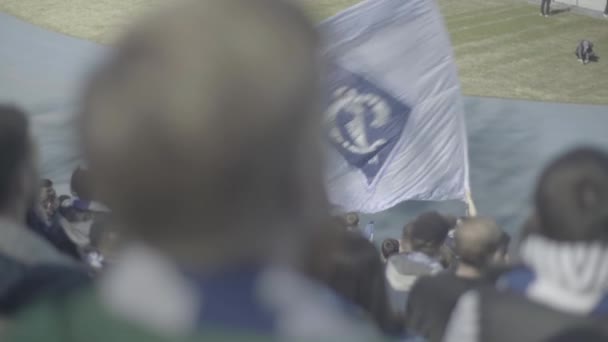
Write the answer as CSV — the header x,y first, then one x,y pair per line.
x,y
147,289
568,276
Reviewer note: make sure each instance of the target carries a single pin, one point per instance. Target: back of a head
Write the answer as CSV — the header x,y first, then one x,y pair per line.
x,y
389,247
15,154
353,269
204,126
79,184
477,240
351,219
45,182
428,233
572,197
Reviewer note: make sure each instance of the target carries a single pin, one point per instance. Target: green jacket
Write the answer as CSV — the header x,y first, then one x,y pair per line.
x,y
82,319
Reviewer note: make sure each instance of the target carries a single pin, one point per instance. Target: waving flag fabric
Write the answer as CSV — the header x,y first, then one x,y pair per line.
x,y
395,117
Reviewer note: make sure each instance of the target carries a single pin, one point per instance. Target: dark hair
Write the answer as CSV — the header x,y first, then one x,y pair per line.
x,y
452,220
429,232
505,242
15,148
389,247
572,197
353,269
47,183
79,184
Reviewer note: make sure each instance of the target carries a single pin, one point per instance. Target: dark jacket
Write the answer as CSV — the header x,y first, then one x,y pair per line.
x,y
30,267
534,321
432,300
54,233
21,285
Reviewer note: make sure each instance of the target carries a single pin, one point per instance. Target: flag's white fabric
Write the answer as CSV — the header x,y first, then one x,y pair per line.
x,y
395,115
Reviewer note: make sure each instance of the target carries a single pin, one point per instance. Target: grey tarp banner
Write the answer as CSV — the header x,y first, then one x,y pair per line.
x,y
509,141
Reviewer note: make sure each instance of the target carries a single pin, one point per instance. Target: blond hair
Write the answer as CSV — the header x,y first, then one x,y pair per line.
x,y
203,129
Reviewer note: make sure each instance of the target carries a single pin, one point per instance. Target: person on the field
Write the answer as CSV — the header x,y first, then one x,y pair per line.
x,y
584,51
545,8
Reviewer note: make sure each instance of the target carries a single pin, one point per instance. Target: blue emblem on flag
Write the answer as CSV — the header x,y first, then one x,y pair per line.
x,y
365,122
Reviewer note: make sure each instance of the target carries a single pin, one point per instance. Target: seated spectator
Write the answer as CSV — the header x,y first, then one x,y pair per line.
x,y
479,245
564,276
203,139
76,218
390,247
44,218
351,266
48,198
421,244
30,267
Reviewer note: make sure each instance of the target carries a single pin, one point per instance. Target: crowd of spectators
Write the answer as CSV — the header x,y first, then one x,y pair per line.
x,y
202,215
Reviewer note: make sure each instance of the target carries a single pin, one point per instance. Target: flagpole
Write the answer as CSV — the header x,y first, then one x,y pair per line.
x,y
472,209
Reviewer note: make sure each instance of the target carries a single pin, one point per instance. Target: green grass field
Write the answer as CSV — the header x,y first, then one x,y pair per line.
x,y
502,47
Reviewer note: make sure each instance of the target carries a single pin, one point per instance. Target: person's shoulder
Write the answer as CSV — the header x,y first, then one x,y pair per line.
x,y
33,283
27,246
436,280
412,263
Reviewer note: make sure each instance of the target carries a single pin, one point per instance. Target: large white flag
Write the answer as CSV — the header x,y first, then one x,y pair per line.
x,y
395,113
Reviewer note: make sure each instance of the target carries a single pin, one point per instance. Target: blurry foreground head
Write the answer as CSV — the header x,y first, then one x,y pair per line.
x,y
202,132
572,198
480,243
18,182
